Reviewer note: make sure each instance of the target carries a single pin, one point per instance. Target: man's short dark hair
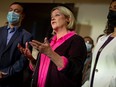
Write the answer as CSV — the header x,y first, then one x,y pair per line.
x,y
19,4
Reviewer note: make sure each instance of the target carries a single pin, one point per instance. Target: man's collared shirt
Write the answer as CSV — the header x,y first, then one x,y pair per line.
x,y
11,32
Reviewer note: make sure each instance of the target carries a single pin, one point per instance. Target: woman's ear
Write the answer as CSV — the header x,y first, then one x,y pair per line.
x,y
68,20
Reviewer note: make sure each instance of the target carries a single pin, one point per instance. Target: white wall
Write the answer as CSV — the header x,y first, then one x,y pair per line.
x,y
94,16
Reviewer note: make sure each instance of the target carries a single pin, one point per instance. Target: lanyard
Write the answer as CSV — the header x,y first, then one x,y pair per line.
x,y
97,57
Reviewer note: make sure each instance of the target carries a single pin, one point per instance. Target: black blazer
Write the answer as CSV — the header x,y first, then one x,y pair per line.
x,y
74,50
12,61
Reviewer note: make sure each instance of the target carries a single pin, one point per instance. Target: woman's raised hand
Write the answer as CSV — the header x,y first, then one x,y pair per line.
x,y
26,51
42,47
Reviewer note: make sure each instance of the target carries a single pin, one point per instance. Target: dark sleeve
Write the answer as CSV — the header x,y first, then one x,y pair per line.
x,y
77,54
74,50
21,62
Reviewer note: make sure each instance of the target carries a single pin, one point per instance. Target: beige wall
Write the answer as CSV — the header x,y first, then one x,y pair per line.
x,y
91,16
92,19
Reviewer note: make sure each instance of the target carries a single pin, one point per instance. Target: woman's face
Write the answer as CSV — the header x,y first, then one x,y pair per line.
x,y
113,6
58,20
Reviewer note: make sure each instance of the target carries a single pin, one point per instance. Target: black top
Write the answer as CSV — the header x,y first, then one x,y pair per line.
x,y
74,50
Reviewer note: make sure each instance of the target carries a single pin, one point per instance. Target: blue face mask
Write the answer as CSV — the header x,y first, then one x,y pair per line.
x,y
13,17
88,46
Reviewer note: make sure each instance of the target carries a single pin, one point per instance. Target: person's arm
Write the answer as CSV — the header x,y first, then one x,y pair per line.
x,y
56,58
27,53
46,49
17,67
2,74
18,62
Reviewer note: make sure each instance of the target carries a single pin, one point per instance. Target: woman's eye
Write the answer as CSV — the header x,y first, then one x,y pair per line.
x,y
57,15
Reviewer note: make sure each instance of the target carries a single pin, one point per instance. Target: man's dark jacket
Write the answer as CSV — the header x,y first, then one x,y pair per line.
x,y
12,61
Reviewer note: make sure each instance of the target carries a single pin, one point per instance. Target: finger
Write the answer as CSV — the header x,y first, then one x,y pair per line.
x,y
4,73
32,44
36,42
46,40
24,52
26,45
18,45
20,49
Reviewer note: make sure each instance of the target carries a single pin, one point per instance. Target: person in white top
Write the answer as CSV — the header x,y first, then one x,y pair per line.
x,y
103,68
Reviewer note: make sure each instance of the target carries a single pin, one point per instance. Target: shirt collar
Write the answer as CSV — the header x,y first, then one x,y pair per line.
x,y
65,36
12,29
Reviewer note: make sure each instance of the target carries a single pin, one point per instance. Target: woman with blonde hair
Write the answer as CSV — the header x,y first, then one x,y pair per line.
x,y
61,59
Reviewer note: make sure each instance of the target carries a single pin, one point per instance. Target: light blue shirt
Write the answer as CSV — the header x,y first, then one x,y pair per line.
x,y
10,33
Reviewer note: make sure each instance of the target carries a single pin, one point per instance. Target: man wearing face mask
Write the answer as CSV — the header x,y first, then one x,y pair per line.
x,y
12,62
89,45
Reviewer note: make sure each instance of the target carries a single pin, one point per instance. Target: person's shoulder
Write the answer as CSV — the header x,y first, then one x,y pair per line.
x,y
77,37
102,38
25,31
2,28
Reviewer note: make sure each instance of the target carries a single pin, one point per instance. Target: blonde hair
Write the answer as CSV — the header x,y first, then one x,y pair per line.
x,y
67,13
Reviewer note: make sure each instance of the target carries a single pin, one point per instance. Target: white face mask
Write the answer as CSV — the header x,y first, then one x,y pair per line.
x,y
88,46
